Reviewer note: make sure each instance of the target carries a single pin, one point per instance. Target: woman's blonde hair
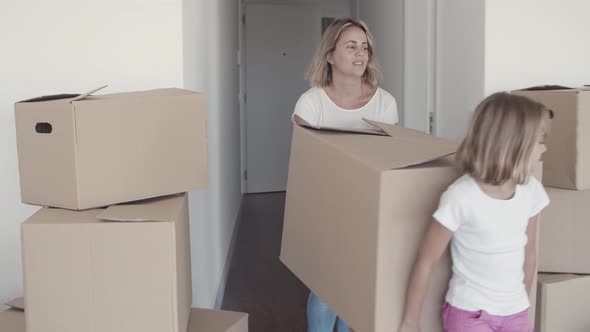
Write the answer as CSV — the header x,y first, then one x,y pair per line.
x,y
501,137
319,73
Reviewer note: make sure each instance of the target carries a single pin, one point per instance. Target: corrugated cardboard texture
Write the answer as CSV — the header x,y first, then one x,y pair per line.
x,y
12,320
354,222
108,276
564,245
562,303
567,160
111,148
204,320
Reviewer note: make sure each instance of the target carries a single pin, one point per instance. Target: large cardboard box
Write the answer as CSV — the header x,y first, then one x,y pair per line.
x,y
121,269
205,320
356,210
563,244
80,152
567,160
562,303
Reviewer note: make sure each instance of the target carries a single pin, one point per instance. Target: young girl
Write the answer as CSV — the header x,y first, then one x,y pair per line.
x,y
489,215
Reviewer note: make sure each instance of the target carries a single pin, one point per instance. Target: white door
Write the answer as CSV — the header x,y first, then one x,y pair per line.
x,y
279,42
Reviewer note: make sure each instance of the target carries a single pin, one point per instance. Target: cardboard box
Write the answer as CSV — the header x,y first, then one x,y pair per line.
x,y
12,320
121,269
563,302
90,151
567,160
356,211
563,244
204,320
201,320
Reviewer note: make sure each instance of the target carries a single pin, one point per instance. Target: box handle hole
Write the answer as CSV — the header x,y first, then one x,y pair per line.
x,y
43,128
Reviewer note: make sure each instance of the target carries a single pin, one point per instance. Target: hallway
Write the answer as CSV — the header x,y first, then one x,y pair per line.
x,y
258,283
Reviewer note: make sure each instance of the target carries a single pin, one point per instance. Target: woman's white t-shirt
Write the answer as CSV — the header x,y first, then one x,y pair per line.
x,y
488,244
315,107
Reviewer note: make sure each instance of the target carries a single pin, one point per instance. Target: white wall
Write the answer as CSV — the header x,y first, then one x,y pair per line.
x,y
68,46
534,42
495,45
459,64
211,45
385,19
419,53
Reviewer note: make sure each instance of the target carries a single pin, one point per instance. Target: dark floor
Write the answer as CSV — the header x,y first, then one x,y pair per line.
x,y
258,283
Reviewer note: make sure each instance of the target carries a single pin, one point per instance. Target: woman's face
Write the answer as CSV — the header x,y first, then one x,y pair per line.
x,y
351,53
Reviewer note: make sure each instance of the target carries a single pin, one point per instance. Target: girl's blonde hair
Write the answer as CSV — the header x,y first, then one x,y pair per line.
x,y
319,73
501,137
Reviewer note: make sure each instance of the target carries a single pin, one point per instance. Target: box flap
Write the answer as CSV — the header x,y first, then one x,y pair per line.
x,y
63,96
69,97
375,131
163,209
546,87
547,278
402,148
556,88
86,94
18,303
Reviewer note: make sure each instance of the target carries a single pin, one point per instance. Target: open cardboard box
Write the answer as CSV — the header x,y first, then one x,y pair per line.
x,y
84,151
357,208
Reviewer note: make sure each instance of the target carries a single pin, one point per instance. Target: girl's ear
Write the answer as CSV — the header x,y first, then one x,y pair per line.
x,y
329,58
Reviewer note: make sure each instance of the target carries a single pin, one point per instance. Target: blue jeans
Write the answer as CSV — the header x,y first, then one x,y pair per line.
x,y
320,318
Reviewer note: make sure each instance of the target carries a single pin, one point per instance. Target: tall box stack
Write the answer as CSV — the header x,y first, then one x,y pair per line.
x,y
563,244
110,249
357,208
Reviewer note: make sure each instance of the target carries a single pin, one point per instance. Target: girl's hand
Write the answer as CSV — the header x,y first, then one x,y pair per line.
x,y
408,327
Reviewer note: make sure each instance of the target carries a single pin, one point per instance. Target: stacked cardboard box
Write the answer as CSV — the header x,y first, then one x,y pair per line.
x,y
110,251
563,244
356,211
201,320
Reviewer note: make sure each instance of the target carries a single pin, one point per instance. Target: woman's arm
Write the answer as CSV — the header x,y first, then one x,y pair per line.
x,y
530,258
433,245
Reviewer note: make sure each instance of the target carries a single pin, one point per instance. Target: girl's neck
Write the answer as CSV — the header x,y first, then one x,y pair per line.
x,y
502,191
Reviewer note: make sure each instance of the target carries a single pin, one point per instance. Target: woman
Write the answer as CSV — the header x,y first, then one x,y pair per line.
x,y
344,77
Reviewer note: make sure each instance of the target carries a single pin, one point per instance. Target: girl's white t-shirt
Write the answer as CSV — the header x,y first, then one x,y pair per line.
x,y
315,107
488,244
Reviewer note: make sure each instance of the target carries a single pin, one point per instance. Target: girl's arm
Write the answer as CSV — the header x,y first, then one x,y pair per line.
x,y
530,258
433,245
